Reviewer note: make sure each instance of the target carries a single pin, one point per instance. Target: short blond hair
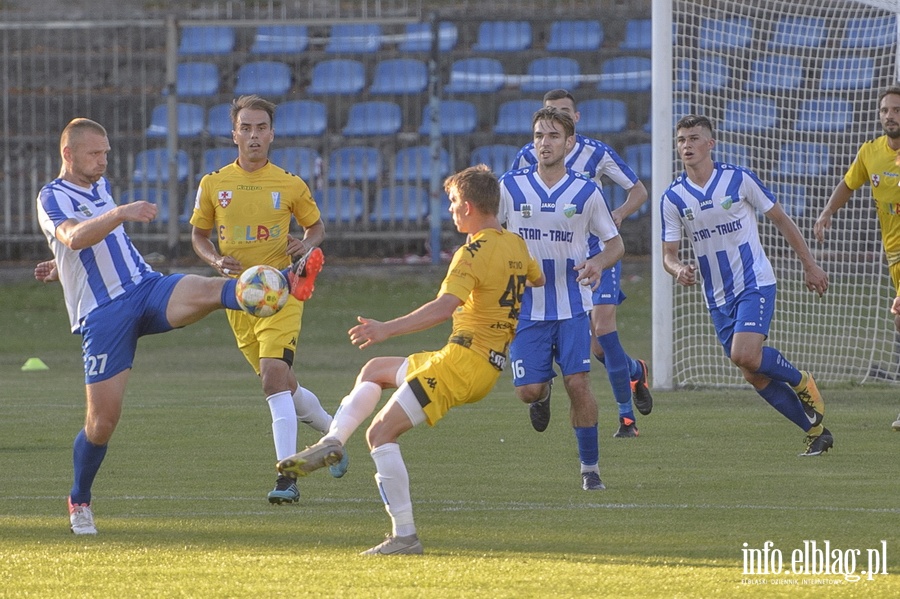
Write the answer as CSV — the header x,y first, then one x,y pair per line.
x,y
478,185
72,132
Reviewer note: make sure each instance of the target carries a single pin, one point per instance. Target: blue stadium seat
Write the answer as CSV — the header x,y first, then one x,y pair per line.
x,y
300,118
625,74
399,76
731,153
354,163
683,75
870,32
640,158
750,115
414,164
775,73
197,79
724,34
417,37
152,166
218,120
847,73
503,36
280,39
575,36
264,77
457,117
206,39
638,35
713,74
792,198
514,117
337,76
798,32
159,196
215,158
342,204
824,114
476,75
801,158
401,204
497,156
373,118
552,72
190,121
354,38
600,116
301,161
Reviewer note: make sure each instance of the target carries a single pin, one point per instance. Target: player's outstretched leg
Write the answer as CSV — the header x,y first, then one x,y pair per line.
x,y
303,273
324,453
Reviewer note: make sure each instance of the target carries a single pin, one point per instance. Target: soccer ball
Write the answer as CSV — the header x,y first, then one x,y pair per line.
x,y
262,290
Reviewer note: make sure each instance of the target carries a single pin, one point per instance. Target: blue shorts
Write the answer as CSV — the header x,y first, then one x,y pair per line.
x,y
110,333
610,289
539,342
749,312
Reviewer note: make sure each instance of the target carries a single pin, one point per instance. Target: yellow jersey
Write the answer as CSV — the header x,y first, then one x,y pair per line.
x,y
251,212
875,163
488,275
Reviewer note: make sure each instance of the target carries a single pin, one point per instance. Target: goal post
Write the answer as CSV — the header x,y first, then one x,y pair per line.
x,y
791,88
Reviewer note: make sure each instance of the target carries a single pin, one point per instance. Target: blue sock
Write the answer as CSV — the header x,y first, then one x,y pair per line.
x,y
86,457
229,299
588,444
776,366
619,371
782,398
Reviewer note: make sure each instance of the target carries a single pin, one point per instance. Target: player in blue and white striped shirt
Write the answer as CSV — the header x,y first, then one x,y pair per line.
x,y
556,210
593,158
715,205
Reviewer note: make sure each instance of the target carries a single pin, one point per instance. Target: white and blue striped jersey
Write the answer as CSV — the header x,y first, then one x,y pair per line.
x,y
555,223
95,275
720,220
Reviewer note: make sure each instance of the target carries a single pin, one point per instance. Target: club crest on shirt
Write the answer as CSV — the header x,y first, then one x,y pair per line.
x,y
525,209
276,200
569,210
224,198
689,213
85,210
876,180
726,202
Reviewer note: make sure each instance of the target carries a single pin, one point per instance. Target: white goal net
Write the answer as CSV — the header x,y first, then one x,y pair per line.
x,y
791,88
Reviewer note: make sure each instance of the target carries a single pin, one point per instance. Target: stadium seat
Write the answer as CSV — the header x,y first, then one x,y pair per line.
x,y
155,195
300,118
399,76
683,75
414,164
870,32
713,74
476,75
551,72
640,158
848,73
499,157
197,79
792,198
264,77
753,114
638,35
373,118
301,161
280,39
342,204
215,158
574,36
798,32
775,73
190,121
152,166
824,114
724,34
731,153
514,117
401,204
218,120
600,116
354,38
801,158
417,37
625,74
354,163
206,39
503,36
338,76
457,117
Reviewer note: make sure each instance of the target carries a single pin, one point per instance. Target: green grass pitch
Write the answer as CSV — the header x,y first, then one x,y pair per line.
x,y
181,507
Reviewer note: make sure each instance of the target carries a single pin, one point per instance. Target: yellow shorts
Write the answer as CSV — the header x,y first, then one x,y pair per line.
x,y
272,337
451,376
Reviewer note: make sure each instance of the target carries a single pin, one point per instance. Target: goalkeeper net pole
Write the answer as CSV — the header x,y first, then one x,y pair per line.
x,y
791,87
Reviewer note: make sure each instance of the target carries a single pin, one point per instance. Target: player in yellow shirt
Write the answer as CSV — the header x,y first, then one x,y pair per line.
x,y
482,292
248,206
878,163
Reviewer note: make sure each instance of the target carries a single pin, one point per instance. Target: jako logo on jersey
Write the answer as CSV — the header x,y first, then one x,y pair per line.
x,y
224,198
276,200
525,209
569,210
726,202
706,204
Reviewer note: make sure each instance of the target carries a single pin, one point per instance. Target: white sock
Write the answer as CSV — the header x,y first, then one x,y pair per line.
x,y
354,409
393,484
284,424
310,411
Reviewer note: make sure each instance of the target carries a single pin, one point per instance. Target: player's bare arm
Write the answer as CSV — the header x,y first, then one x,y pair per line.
x,y
79,235
637,195
206,249
685,274
313,236
46,271
839,197
370,331
815,278
591,269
